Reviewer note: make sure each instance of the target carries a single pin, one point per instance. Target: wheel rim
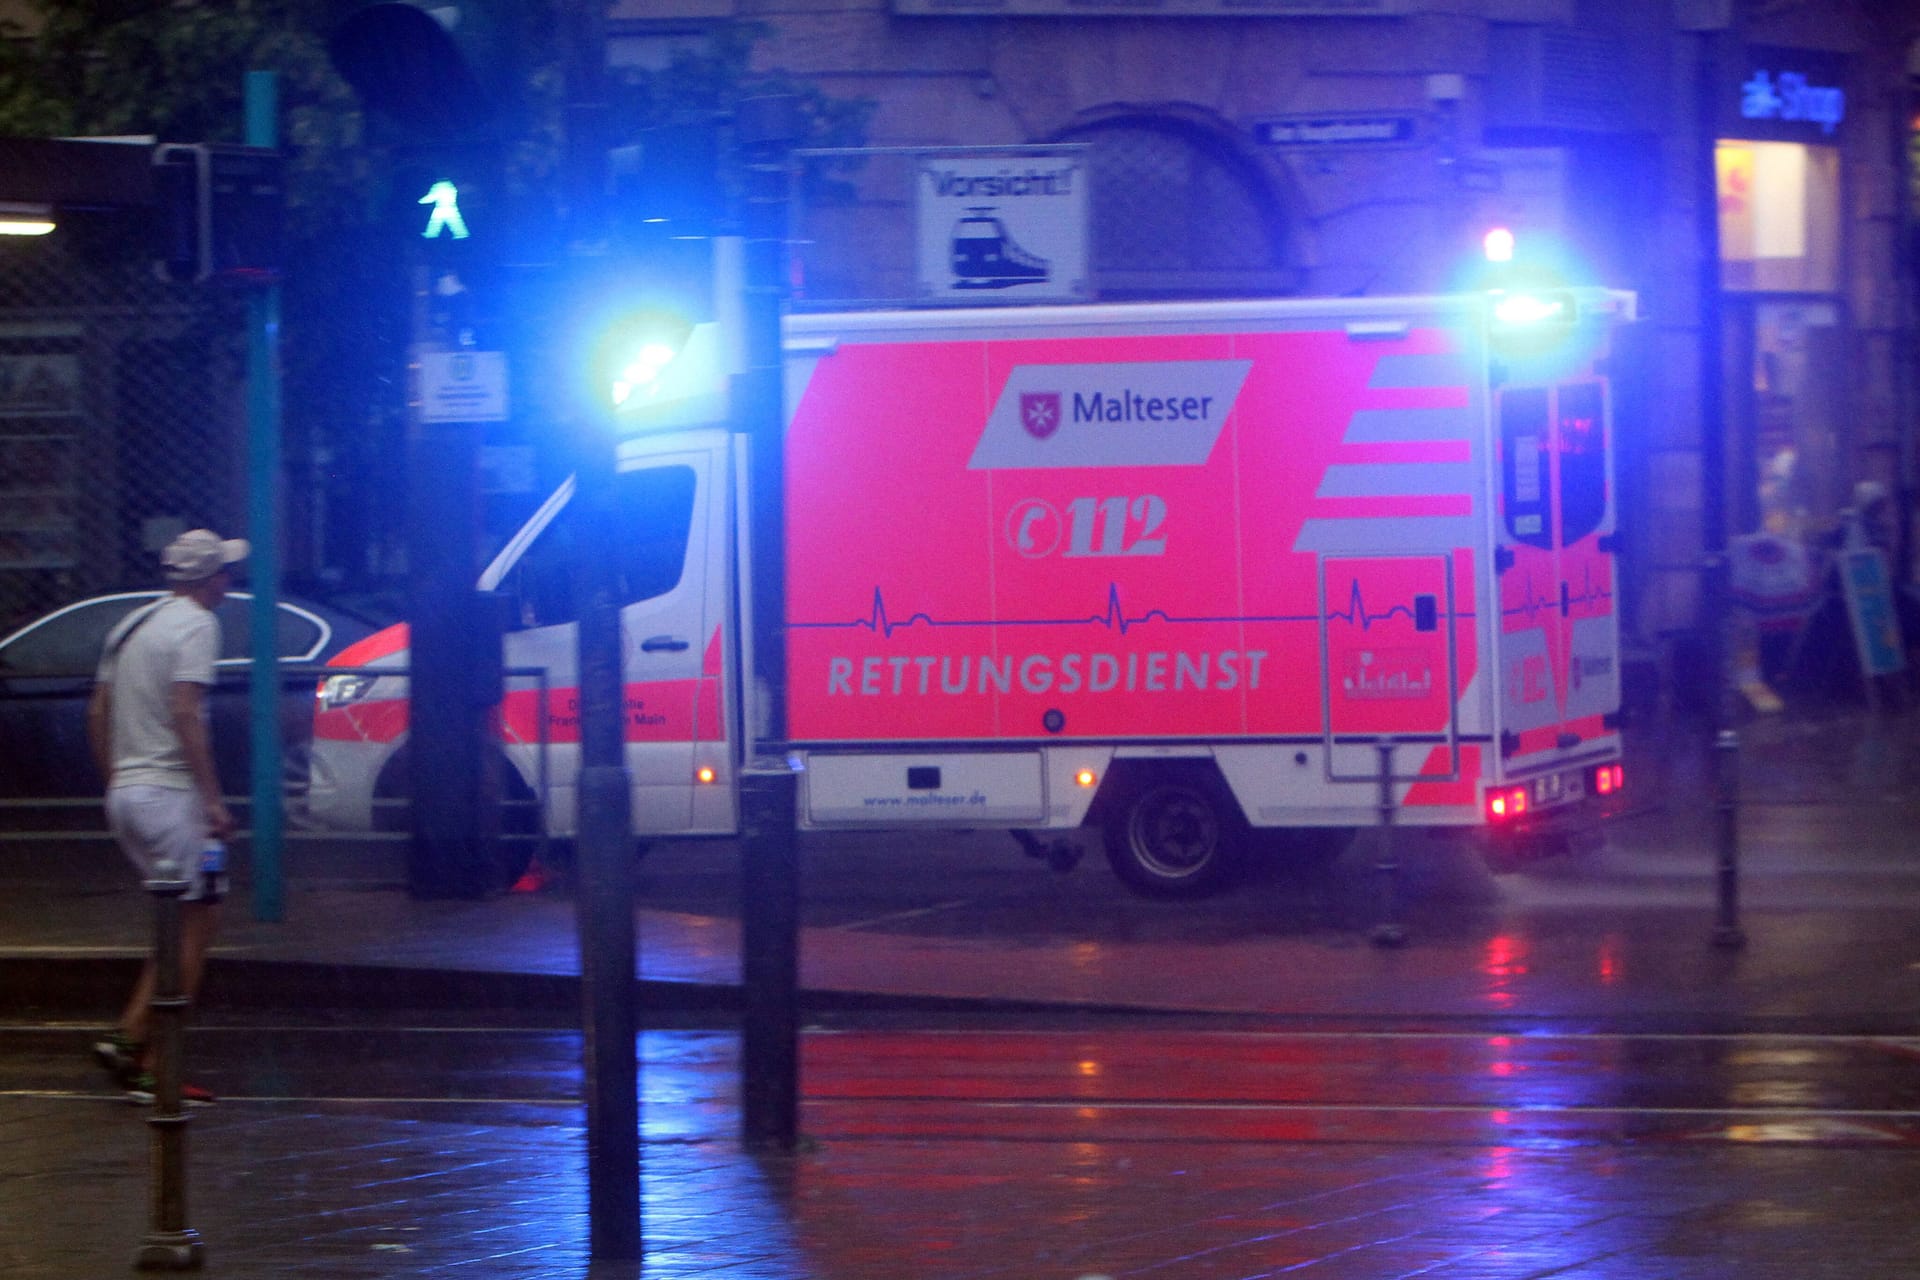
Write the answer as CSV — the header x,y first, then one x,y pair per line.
x,y
1173,832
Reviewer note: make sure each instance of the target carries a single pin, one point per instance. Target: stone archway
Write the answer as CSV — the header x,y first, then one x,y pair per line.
x,y
1178,210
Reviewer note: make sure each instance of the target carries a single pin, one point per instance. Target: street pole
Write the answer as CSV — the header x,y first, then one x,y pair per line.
x,y
604,899
263,531
604,841
1724,752
770,873
449,854
170,1244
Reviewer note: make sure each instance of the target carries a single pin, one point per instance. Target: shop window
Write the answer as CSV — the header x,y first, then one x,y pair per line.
x,y
1800,435
1779,216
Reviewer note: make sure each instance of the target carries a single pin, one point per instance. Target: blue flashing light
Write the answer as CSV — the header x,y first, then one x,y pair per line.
x,y
639,373
1498,245
1523,309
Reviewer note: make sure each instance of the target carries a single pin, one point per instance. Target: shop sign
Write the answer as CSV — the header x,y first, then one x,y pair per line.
x,y
1789,94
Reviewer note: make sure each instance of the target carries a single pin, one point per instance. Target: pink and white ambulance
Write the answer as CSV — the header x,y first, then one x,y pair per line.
x,y
1190,573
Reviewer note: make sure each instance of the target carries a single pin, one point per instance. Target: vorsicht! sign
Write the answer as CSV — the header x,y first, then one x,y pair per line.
x,y
1002,226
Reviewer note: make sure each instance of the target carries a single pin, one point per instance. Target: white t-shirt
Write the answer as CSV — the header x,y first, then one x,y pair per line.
x,y
178,640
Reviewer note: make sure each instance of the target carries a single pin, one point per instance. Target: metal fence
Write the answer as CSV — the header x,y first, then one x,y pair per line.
x,y
122,419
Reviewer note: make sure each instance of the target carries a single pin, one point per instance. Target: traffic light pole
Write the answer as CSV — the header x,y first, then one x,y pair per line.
x,y
451,854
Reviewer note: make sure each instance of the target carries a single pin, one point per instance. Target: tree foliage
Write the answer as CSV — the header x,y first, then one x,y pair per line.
x,y
177,71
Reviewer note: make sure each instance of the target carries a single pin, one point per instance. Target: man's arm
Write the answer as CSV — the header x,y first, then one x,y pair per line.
x,y
100,729
185,701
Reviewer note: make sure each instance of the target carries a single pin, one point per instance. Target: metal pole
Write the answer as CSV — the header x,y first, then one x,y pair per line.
x,y
1725,753
1389,932
170,1244
770,873
263,530
604,898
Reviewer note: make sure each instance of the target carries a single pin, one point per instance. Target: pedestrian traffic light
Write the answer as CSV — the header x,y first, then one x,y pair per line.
x,y
221,210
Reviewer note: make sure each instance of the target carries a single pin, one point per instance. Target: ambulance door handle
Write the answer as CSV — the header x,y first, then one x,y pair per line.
x,y
663,644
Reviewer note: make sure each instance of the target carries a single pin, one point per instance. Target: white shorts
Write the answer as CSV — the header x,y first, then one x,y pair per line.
x,y
163,831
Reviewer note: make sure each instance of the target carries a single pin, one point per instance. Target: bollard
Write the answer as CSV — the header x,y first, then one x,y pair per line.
x,y
1389,932
769,961
1727,933
170,1244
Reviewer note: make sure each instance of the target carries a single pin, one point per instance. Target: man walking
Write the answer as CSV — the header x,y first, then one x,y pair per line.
x,y
147,724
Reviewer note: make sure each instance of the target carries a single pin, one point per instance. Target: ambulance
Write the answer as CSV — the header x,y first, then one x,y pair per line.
x,y
1215,580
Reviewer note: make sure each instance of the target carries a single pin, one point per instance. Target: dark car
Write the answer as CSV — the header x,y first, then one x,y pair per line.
x,y
46,678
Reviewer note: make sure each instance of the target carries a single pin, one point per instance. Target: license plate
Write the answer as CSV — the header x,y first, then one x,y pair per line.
x,y
1555,788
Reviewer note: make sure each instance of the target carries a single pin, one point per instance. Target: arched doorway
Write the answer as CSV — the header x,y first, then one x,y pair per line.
x,y
1179,211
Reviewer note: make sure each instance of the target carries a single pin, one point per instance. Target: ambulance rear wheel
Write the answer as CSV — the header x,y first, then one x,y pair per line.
x,y
1176,835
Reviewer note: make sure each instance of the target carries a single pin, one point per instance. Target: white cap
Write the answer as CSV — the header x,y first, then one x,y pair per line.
x,y
201,553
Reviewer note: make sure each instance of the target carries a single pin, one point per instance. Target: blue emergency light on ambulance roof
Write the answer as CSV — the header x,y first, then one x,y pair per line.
x,y
1498,245
1521,310
638,372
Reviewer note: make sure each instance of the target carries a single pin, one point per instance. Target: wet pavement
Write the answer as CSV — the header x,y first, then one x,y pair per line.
x,y
1008,1073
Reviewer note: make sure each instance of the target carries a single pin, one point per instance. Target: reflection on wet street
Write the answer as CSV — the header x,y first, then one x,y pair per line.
x,y
1111,1149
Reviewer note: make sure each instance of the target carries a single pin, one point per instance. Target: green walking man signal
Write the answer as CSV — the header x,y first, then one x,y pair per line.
x,y
445,199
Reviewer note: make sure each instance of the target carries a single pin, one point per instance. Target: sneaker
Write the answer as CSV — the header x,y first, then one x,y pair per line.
x,y
118,1056
141,1090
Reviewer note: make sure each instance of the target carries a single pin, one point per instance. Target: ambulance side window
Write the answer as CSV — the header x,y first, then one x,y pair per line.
x,y
1526,479
654,518
1581,428
540,585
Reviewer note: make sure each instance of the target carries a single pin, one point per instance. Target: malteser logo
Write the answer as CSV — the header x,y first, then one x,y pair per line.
x,y
1040,413
1163,413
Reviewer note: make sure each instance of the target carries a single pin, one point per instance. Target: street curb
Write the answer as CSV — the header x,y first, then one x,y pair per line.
x,y
98,985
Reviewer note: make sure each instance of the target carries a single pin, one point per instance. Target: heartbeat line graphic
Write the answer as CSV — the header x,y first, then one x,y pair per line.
x,y
1533,605
1357,614
1113,618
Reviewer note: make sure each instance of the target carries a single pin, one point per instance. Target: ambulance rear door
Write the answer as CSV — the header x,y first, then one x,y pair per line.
x,y
1558,630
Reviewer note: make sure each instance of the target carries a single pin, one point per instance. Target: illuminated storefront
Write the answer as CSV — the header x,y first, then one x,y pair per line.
x,y
1793,457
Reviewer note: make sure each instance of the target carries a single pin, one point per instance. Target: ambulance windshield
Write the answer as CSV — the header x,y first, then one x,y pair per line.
x,y
653,514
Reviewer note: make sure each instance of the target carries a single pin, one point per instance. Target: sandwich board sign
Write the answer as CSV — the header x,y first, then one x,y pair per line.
x,y
1870,606
998,226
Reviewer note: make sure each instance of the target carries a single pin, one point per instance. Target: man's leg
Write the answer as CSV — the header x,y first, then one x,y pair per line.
x,y
199,922
133,1019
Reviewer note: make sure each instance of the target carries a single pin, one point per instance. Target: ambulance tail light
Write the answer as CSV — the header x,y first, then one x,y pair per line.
x,y
1609,779
1506,804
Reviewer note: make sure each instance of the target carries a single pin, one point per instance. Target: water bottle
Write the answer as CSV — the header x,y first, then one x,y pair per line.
x,y
213,859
